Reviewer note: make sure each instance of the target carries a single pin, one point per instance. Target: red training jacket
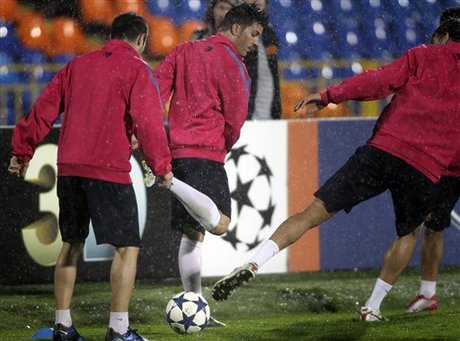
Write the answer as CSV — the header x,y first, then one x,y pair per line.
x,y
210,87
105,96
421,124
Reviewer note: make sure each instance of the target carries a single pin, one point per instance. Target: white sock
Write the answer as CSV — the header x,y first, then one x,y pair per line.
x,y
63,317
199,205
381,289
119,322
266,251
427,288
190,264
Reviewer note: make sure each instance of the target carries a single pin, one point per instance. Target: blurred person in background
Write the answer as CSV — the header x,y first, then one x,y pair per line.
x,y
439,219
262,65
213,17
209,105
103,97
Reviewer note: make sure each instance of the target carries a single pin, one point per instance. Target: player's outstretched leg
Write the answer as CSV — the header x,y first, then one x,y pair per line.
x,y
224,287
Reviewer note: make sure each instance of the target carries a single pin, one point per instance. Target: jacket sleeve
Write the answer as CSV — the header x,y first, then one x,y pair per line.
x,y
165,74
146,111
233,86
373,84
33,128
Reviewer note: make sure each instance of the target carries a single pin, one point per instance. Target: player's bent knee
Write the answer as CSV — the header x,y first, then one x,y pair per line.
x,y
222,226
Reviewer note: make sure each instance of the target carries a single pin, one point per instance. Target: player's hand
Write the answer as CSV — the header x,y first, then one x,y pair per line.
x,y
312,103
165,180
17,167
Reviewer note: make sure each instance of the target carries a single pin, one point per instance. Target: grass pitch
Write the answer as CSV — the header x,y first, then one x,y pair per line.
x,y
315,306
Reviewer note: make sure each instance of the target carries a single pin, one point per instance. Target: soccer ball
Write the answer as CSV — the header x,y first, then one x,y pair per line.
x,y
187,312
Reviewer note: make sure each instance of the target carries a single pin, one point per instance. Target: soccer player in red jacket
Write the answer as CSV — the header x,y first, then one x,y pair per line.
x,y
103,97
415,138
439,219
210,91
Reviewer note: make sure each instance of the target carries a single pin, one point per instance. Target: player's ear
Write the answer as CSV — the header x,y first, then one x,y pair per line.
x,y
235,29
445,39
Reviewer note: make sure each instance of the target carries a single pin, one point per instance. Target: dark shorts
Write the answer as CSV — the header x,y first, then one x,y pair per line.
x,y
208,177
370,172
443,204
111,207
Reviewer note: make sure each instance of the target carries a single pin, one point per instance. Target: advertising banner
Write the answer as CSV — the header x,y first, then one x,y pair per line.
x,y
273,171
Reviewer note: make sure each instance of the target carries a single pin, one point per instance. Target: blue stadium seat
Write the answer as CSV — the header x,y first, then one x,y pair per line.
x,y
428,14
8,38
164,8
315,41
282,11
289,37
190,10
62,58
344,28
7,74
375,30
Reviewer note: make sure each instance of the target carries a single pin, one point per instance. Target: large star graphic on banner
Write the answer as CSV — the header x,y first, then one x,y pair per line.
x,y
241,194
264,168
267,214
236,153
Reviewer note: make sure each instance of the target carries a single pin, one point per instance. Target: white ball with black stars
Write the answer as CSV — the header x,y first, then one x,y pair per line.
x,y
187,312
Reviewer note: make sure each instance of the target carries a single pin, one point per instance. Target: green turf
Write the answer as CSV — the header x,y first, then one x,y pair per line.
x,y
317,306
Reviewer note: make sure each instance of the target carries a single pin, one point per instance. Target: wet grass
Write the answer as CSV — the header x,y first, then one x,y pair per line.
x,y
317,306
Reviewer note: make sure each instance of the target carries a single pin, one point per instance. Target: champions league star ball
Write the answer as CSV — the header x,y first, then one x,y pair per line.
x,y
187,312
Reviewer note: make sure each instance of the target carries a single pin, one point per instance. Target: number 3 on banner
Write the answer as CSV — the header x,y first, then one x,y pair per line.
x,y
42,238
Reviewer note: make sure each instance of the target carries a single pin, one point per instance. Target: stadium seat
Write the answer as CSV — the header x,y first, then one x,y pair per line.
x,y
96,11
428,13
186,29
8,10
289,37
163,36
32,31
190,10
375,30
7,74
8,39
66,36
136,6
62,58
315,41
165,8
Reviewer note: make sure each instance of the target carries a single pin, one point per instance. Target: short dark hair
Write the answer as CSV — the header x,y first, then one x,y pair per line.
x,y
450,13
451,26
128,26
244,15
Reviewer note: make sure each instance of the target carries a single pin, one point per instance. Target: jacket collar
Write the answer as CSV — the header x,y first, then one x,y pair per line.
x,y
115,44
219,38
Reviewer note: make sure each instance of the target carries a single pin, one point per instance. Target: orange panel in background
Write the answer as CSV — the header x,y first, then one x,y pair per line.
x,y
302,183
